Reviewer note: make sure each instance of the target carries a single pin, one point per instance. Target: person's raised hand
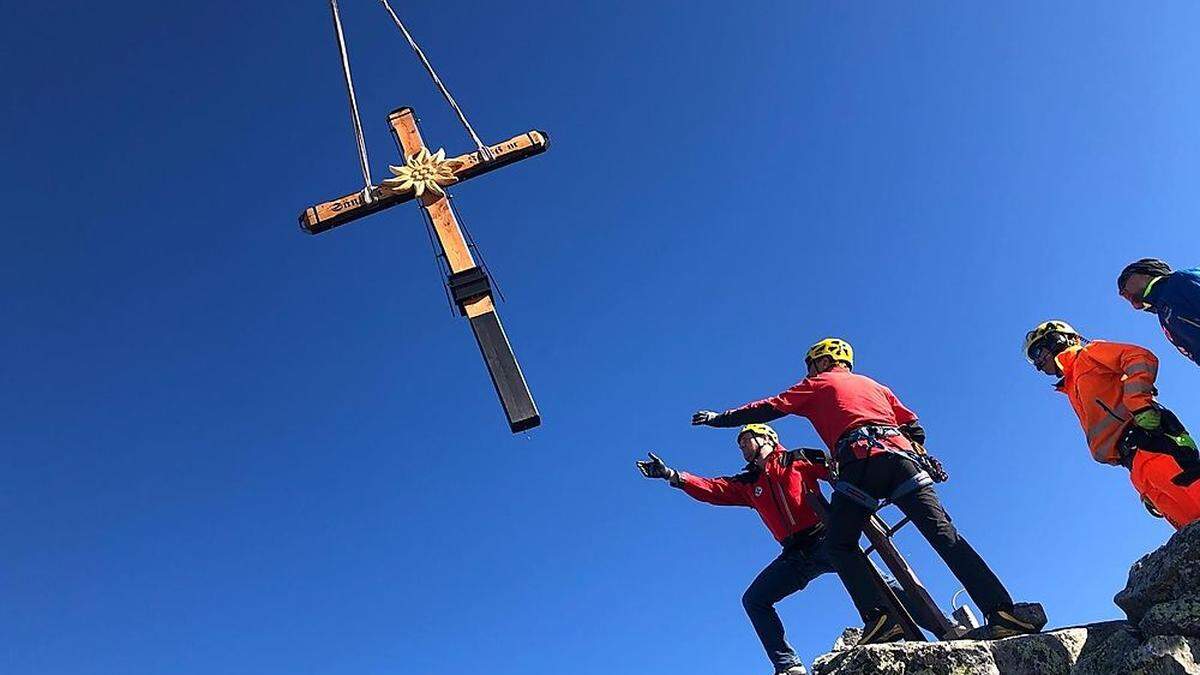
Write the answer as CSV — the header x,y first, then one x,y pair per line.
x,y
655,468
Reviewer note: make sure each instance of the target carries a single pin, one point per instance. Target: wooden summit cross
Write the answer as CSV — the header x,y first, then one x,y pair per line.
x,y
423,177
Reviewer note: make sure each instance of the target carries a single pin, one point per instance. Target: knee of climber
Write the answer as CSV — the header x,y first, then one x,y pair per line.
x,y
752,601
930,517
840,547
942,530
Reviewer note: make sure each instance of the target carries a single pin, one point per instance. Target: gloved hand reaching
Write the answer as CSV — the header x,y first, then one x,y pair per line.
x,y
1162,432
1149,419
704,417
656,468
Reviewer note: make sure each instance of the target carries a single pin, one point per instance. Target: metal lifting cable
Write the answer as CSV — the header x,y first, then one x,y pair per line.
x,y
354,119
484,152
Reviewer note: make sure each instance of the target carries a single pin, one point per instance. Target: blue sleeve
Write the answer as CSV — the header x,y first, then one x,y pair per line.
x,y
1185,292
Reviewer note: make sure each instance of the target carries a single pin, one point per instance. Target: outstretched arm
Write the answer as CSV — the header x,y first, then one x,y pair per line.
x,y
719,491
758,412
794,401
656,468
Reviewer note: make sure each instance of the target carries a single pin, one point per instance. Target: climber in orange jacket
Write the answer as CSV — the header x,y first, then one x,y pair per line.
x,y
1111,387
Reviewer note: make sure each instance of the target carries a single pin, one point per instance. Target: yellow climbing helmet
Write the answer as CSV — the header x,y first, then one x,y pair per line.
x,y
838,349
1044,330
761,430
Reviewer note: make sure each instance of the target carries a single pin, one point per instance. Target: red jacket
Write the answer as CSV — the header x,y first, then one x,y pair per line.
x,y
838,400
776,490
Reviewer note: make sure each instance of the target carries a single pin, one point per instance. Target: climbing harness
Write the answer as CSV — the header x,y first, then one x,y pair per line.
x,y
916,482
930,470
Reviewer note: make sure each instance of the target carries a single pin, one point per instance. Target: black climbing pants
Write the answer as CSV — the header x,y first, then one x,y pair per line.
x,y
790,573
787,574
879,475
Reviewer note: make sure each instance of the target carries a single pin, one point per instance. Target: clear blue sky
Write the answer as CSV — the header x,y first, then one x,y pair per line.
x,y
229,447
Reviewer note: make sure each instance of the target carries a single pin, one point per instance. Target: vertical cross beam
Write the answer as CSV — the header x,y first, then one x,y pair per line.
x,y
880,537
471,290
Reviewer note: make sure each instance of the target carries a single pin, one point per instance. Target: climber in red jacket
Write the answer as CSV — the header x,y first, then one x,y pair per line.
x,y
870,435
778,484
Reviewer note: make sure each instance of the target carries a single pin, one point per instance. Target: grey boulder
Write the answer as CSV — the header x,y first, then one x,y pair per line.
x,y
1178,617
1170,573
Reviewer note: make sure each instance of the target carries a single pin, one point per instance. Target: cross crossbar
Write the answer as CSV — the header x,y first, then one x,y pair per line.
x,y
335,212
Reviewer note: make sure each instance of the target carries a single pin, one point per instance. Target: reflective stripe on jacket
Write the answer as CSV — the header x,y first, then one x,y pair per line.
x,y
776,490
1107,382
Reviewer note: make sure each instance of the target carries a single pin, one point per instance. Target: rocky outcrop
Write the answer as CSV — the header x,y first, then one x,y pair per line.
x,y
1161,636
1106,650
1165,576
1054,652
960,657
1179,617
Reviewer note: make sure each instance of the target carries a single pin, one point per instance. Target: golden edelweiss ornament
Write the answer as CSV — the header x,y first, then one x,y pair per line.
x,y
423,171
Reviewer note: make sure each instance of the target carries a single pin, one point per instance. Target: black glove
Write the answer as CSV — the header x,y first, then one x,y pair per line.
x,y
704,417
656,468
913,431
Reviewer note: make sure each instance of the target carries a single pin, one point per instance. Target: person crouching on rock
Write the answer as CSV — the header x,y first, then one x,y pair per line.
x,y
777,483
870,434
1111,387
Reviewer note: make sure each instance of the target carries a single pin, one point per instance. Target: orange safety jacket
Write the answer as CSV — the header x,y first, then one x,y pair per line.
x,y
1107,383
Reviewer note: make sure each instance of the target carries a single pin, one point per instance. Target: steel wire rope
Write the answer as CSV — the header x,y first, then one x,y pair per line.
x,y
484,152
355,120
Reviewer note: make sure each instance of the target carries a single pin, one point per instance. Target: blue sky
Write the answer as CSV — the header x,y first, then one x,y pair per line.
x,y
229,447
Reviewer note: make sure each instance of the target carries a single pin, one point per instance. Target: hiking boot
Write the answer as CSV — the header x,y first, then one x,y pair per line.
x,y
882,628
1004,623
797,669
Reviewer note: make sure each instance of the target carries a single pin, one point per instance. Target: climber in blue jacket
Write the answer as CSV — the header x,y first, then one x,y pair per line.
x,y
1149,284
